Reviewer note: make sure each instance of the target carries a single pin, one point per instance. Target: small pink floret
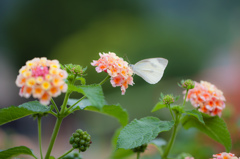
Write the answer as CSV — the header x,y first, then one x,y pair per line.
x,y
40,71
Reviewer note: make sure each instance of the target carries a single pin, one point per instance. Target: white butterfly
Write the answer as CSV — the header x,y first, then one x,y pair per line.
x,y
151,70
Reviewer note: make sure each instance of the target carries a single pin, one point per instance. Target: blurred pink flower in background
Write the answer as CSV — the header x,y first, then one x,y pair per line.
x,y
207,98
224,155
41,78
117,68
223,70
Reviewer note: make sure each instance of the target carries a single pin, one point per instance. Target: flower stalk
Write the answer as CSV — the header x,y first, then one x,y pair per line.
x,y
40,136
69,151
57,125
185,97
54,135
105,79
175,128
138,155
172,139
171,112
55,106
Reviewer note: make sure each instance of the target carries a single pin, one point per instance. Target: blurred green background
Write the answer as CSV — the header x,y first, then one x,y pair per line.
x,y
201,40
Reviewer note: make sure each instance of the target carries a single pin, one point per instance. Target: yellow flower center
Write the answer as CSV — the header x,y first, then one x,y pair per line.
x,y
39,79
31,82
46,85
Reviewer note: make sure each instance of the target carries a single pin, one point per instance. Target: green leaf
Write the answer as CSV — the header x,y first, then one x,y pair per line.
x,y
158,106
214,127
15,151
180,85
115,137
115,111
196,114
162,96
176,98
79,106
142,131
83,80
121,154
13,113
35,106
84,69
93,92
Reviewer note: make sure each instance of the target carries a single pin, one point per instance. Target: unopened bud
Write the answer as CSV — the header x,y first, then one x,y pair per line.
x,y
187,84
168,99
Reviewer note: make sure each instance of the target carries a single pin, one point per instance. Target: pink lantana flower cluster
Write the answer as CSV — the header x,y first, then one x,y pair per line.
x,y
117,68
225,155
41,78
207,98
189,158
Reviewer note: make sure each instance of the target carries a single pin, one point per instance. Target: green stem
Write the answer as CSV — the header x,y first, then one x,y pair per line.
x,y
174,133
40,136
105,79
185,97
66,97
171,112
172,139
65,102
66,153
53,113
138,155
75,103
54,135
55,106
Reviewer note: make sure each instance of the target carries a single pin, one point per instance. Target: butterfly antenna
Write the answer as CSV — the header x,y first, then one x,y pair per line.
x,y
126,58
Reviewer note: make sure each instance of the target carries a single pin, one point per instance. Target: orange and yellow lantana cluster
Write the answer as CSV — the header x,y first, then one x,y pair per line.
x,y
117,68
41,78
225,155
207,98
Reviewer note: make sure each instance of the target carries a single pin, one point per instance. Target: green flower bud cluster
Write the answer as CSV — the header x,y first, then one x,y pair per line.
x,y
73,155
187,84
141,148
80,140
168,99
75,69
75,72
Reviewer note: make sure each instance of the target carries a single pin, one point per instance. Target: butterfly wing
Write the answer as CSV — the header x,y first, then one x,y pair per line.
x,y
151,70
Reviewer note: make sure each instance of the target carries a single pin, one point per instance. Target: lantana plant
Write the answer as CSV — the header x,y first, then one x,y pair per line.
x,y
45,79
208,103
